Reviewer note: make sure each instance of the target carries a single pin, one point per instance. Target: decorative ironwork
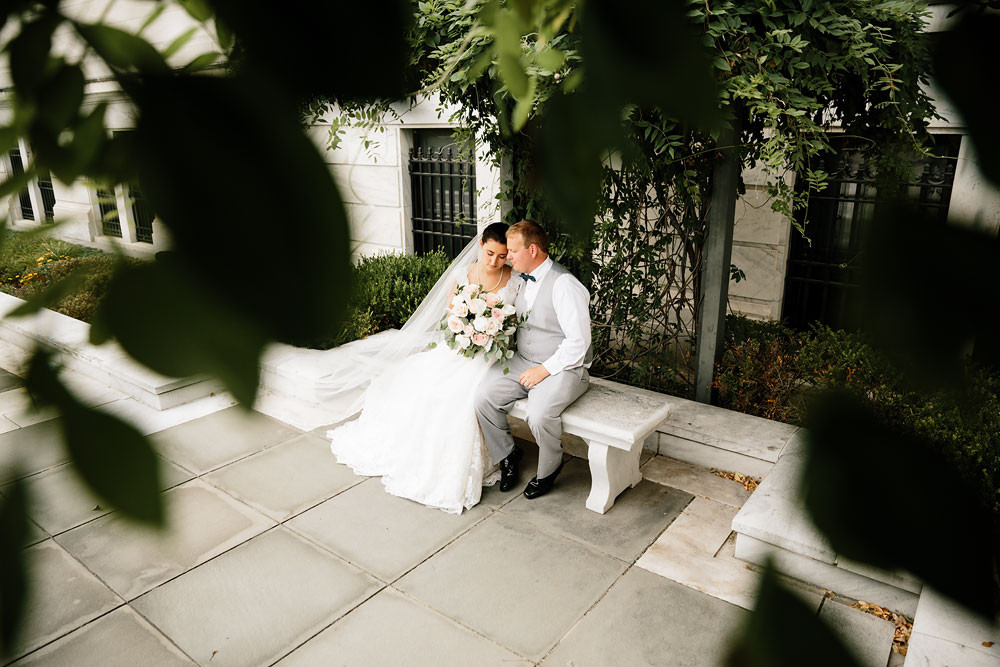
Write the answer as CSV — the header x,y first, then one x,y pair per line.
x,y
108,205
443,190
824,269
17,164
48,194
143,216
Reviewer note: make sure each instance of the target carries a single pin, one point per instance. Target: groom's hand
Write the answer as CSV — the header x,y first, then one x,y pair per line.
x,y
533,376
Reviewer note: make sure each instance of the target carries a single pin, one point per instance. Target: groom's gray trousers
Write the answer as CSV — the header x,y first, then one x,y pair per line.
x,y
546,401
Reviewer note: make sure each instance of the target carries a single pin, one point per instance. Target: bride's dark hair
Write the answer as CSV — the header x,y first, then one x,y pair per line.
x,y
496,232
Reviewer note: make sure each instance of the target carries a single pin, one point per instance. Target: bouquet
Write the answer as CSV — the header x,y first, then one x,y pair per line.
x,y
479,321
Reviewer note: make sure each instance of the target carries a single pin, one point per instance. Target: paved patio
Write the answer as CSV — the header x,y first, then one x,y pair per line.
x,y
276,554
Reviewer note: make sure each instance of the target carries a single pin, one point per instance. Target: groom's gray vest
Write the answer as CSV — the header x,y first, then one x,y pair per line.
x,y
540,335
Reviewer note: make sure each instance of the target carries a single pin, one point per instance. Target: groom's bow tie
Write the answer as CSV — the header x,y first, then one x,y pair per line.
x,y
528,276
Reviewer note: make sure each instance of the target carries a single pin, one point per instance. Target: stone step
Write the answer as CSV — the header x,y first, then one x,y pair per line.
x,y
774,524
107,364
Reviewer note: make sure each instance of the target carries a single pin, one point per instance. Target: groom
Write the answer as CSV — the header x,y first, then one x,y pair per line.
x,y
550,366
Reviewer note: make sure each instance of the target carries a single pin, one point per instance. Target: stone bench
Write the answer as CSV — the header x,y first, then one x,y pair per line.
x,y
614,420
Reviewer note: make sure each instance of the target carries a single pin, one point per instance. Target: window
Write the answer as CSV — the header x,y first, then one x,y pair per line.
x,y
825,269
124,214
44,195
443,192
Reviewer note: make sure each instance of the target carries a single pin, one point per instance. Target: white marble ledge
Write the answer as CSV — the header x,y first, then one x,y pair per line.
x,y
775,514
726,429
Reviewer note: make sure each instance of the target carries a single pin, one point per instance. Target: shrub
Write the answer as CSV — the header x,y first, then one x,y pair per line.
x,y
759,372
83,301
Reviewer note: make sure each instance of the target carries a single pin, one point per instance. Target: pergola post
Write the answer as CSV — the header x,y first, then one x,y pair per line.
x,y
716,260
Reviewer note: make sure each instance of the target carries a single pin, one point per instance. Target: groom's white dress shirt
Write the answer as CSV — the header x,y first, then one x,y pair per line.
x,y
571,301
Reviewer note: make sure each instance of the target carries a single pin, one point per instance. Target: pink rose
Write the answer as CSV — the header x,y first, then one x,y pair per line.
x,y
460,310
468,330
491,300
480,339
454,324
497,314
470,289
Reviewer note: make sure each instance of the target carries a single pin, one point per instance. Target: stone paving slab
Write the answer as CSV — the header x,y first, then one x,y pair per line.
x,y
928,651
59,500
16,405
254,604
232,434
392,629
119,639
379,533
938,616
647,620
638,516
286,479
202,523
867,636
32,449
63,595
694,479
9,380
513,583
151,420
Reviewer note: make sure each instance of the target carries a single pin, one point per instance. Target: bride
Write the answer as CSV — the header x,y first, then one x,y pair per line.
x,y
418,428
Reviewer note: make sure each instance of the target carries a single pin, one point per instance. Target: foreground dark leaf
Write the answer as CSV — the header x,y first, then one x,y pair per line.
x,y
252,209
337,50
967,69
648,52
189,329
785,632
13,575
946,537
914,267
112,457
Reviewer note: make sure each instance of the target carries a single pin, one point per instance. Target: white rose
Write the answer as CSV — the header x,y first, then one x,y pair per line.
x,y
480,323
493,327
454,324
508,309
460,310
477,306
463,341
509,330
459,298
468,330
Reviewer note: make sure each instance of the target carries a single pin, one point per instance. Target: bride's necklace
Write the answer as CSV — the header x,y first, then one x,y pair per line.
x,y
479,270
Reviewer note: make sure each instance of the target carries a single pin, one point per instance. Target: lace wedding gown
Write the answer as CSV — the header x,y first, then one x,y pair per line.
x,y
418,428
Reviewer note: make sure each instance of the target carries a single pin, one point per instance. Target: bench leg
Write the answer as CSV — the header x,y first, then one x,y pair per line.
x,y
612,471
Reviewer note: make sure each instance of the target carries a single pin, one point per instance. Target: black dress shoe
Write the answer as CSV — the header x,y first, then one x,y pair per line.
x,y
539,487
508,469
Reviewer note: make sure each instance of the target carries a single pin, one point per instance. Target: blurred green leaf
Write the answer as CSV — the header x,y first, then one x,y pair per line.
x,y
286,258
29,53
311,48
60,97
122,50
224,34
967,69
188,330
13,574
8,138
153,15
514,76
178,43
783,627
648,52
955,268
945,536
203,60
16,183
111,456
198,9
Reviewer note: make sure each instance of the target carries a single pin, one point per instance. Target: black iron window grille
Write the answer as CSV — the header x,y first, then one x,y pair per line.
x,y
443,191
108,205
142,215
824,269
48,194
17,165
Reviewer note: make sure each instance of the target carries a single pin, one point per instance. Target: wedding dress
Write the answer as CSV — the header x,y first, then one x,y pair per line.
x,y
418,428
